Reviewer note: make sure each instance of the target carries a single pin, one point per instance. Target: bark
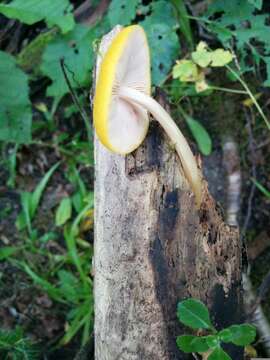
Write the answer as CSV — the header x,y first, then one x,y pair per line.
x,y
152,249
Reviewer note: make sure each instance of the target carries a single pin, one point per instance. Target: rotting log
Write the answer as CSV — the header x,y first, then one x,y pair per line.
x,y
153,249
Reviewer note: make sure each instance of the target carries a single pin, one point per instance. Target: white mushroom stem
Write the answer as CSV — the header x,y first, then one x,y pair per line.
x,y
186,156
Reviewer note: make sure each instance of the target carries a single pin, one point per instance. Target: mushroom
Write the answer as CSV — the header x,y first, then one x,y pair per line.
x,y
122,102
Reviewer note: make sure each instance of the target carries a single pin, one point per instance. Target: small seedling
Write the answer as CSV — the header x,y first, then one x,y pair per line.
x,y
194,314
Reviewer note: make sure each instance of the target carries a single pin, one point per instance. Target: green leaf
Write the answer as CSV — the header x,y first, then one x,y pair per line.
x,y
216,58
256,3
243,334
201,56
160,27
186,71
15,106
190,343
212,341
52,291
194,313
200,134
122,12
56,12
220,57
261,188
7,251
225,335
75,48
36,196
183,20
218,354
63,212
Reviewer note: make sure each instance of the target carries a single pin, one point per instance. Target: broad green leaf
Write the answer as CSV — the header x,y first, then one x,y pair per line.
x,y
190,343
243,334
75,48
7,251
15,106
220,57
194,313
257,3
186,71
200,134
160,27
54,12
219,354
122,12
63,212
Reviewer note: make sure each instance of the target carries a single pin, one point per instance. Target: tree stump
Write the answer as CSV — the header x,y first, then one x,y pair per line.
x,y
152,249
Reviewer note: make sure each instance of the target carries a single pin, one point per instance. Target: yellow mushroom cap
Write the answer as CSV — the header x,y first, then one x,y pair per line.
x,y
120,125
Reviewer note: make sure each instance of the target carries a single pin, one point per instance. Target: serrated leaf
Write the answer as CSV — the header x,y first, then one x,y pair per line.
x,y
56,12
63,212
122,12
190,343
194,313
75,48
219,354
200,134
243,334
186,71
15,106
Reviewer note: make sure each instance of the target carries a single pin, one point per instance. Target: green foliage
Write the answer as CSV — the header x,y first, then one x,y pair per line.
x,y
30,201
194,313
13,345
30,57
199,133
63,212
238,21
261,188
56,12
122,12
161,27
205,57
76,51
15,106
183,20
7,251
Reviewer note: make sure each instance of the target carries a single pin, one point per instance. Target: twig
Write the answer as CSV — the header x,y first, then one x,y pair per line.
x,y
76,102
254,175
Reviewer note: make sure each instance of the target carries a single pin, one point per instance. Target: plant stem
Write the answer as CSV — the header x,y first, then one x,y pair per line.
x,y
234,91
250,95
185,154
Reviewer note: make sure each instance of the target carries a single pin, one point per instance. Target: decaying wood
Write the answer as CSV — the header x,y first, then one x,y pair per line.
x,y
153,249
